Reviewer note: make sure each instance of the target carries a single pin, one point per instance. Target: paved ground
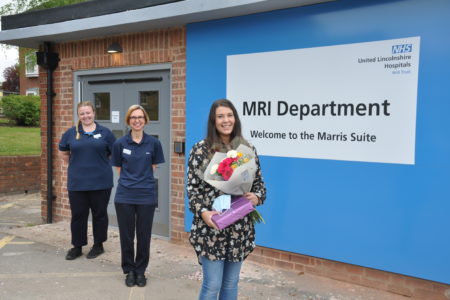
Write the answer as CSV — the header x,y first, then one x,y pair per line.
x,y
32,266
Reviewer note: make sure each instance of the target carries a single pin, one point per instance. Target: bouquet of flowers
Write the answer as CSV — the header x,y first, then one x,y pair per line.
x,y
233,173
226,167
235,176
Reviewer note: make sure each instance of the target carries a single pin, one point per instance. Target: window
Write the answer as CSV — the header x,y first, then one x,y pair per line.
x,y
32,92
31,67
102,106
149,100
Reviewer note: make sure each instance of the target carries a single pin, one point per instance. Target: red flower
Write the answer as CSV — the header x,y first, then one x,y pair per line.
x,y
225,169
227,173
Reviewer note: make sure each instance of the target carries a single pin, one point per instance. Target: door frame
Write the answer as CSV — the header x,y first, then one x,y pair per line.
x,y
132,69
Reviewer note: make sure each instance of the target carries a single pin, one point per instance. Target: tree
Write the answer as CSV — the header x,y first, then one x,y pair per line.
x,y
12,82
19,6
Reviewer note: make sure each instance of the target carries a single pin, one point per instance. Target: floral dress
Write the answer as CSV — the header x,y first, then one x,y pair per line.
x,y
233,243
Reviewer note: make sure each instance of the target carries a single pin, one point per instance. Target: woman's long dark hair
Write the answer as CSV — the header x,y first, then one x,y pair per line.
x,y
212,136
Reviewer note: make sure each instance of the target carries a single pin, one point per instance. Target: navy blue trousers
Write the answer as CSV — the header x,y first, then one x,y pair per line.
x,y
80,204
134,219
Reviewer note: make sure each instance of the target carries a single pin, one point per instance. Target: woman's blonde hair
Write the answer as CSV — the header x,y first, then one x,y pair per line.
x,y
131,109
81,104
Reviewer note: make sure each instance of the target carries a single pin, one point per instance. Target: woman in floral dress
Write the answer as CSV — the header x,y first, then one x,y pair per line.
x,y
220,252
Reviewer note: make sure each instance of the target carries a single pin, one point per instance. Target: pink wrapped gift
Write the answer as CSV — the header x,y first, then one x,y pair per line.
x,y
240,207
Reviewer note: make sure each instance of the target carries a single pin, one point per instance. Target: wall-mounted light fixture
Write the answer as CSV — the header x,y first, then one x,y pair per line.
x,y
114,48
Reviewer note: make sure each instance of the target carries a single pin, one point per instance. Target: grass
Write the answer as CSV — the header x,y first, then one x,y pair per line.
x,y
5,121
15,140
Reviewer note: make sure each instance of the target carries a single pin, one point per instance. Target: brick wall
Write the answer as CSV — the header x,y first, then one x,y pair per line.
x,y
412,287
19,174
153,47
169,46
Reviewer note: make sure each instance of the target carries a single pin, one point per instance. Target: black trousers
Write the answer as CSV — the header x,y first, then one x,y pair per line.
x,y
135,219
80,203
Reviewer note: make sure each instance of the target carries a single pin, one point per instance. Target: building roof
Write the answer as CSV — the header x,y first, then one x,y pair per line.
x,y
93,20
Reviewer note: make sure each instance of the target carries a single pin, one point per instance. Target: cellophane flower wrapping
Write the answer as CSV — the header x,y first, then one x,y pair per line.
x,y
240,207
240,182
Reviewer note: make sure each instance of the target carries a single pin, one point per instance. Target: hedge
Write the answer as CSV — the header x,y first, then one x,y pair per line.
x,y
24,110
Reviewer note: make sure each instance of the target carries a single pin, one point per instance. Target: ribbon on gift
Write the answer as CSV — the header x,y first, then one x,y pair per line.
x,y
240,207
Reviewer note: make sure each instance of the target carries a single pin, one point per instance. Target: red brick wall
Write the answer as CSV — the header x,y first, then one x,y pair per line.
x,y
153,47
19,174
414,288
169,46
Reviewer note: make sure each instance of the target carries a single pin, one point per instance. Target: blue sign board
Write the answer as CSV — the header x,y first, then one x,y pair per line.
x,y
388,216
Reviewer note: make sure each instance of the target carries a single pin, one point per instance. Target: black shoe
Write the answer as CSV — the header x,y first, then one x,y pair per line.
x,y
74,253
141,280
95,251
130,280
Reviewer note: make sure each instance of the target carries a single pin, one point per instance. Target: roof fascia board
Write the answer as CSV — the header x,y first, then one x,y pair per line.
x,y
76,11
162,16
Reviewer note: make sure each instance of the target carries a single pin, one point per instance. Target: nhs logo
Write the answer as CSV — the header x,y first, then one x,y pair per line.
x,y
401,48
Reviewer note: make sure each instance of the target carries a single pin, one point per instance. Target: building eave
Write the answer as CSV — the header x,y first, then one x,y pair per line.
x,y
161,16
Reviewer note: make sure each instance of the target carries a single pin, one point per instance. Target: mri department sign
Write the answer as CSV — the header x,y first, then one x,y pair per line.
x,y
353,102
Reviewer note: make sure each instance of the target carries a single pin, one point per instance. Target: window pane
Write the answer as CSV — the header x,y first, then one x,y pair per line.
x,y
102,106
31,67
149,100
32,91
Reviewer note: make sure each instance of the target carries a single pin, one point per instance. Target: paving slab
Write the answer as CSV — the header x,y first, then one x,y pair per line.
x,y
33,266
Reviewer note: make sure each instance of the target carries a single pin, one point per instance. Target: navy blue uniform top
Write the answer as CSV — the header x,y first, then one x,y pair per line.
x,y
136,182
89,164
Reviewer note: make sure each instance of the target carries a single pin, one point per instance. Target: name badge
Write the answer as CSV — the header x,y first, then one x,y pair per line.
x,y
97,136
127,151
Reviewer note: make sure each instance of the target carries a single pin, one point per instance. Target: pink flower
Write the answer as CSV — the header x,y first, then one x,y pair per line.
x,y
227,173
225,169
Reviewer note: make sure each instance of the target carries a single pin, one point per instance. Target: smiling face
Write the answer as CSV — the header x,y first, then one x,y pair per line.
x,y
86,115
224,122
137,120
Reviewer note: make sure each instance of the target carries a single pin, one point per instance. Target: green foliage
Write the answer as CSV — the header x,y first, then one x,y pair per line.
x,y
56,3
25,110
6,121
20,6
16,140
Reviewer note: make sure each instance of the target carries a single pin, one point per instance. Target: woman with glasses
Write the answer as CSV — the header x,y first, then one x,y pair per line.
x,y
136,155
